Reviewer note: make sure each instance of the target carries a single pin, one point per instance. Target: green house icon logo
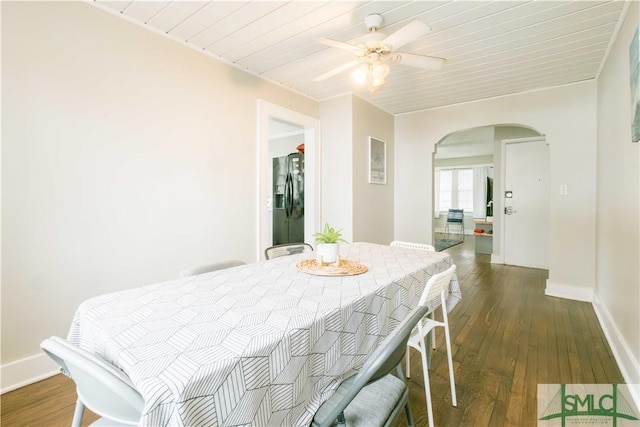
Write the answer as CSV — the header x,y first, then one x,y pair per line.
x,y
592,404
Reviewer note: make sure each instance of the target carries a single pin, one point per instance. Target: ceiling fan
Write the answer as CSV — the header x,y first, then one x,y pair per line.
x,y
377,50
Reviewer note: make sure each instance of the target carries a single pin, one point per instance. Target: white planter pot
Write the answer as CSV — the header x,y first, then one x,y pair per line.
x,y
328,252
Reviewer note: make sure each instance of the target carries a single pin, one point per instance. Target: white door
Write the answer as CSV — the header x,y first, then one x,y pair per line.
x,y
526,204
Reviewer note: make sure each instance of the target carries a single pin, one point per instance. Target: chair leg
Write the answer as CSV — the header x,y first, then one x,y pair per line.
x,y
408,363
410,421
433,331
427,386
407,408
454,401
77,414
447,337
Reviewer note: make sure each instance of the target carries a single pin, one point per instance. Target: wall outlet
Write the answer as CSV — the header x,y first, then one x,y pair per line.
x,y
564,190
184,273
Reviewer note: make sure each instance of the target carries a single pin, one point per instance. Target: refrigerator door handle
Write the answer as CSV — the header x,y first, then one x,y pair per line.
x,y
288,196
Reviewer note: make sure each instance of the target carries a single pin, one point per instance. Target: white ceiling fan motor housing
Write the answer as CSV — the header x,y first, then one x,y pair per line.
x,y
374,37
373,21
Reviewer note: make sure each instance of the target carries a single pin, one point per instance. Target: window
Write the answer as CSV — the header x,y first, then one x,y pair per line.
x,y
465,189
456,189
446,186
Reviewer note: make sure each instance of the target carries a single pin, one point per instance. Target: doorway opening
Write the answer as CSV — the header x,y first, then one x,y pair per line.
x,y
468,174
287,202
280,133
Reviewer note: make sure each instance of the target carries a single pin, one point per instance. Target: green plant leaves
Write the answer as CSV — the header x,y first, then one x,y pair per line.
x,y
329,235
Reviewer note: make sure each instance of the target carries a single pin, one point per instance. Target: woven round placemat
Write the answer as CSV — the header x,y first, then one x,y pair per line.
x,y
346,268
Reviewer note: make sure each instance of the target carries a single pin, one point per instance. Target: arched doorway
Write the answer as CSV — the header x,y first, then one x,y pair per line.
x,y
479,152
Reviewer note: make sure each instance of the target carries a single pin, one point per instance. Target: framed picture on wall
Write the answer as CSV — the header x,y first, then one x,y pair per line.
x,y
377,161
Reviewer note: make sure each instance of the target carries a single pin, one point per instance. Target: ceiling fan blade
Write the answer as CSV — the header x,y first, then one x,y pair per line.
x,y
421,61
341,45
338,70
410,32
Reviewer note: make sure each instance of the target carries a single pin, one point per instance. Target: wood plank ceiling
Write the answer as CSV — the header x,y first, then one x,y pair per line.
x,y
492,47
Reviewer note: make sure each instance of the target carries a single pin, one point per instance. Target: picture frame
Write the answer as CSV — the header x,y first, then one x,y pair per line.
x,y
377,161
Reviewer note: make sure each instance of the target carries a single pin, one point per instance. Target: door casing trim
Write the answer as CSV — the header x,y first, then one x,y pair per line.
x,y
313,156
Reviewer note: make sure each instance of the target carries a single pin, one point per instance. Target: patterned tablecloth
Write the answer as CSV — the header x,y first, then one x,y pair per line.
x,y
260,344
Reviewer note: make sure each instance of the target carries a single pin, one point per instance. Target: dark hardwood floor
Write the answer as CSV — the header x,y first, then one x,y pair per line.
x,y
507,338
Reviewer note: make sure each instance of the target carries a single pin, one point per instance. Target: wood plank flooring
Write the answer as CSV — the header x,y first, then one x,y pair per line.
x,y
507,338
47,403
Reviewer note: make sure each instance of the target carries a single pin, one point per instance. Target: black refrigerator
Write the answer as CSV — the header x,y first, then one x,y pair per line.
x,y
288,199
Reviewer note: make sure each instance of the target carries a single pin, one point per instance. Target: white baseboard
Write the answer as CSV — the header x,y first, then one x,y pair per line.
x,y
26,371
497,259
568,292
629,367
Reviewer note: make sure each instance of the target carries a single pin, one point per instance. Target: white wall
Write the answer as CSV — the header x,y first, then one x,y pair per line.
x,y
119,151
363,211
337,174
618,211
372,203
567,116
464,161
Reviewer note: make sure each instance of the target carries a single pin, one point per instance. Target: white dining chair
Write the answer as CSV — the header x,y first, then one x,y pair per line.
x,y
101,387
420,247
411,245
435,286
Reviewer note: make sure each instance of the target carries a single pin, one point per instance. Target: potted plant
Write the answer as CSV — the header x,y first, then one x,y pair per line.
x,y
327,243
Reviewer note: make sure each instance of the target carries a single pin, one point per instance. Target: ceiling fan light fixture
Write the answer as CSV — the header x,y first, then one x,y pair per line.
x,y
372,74
375,53
379,69
378,81
360,74
377,84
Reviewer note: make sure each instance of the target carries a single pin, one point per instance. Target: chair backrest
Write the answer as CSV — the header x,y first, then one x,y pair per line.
x,y
455,215
103,388
411,245
215,266
436,284
287,249
384,359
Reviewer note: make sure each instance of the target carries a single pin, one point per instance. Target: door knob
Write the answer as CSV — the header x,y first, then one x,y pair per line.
x,y
508,210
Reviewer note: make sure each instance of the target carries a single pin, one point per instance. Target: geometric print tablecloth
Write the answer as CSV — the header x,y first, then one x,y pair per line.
x,y
260,344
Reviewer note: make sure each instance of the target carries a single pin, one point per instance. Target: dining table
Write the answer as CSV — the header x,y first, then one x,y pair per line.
x,y
261,344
